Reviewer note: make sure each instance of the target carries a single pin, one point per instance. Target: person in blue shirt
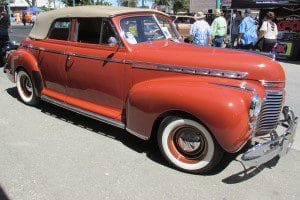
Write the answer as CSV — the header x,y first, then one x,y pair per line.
x,y
200,31
247,31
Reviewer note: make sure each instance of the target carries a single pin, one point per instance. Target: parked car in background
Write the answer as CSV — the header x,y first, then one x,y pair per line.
x,y
183,24
129,68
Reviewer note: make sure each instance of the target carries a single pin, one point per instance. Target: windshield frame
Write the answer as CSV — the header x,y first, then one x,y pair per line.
x,y
151,14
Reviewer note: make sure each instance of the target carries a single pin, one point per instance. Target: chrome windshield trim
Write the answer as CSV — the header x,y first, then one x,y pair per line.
x,y
92,115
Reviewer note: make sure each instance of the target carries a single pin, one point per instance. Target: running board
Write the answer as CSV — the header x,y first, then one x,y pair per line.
x,y
84,112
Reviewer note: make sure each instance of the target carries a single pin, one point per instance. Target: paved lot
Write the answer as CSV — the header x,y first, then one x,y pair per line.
x,y
50,153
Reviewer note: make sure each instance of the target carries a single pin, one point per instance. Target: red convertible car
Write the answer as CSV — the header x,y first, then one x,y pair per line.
x,y
129,68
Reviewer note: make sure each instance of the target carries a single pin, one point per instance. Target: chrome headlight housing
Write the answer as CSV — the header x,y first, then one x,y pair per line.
x,y
255,106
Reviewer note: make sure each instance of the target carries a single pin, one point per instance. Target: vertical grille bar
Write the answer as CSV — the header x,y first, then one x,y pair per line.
x,y
270,112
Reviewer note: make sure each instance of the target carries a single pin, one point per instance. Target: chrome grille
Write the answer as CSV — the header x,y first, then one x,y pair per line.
x,y
270,112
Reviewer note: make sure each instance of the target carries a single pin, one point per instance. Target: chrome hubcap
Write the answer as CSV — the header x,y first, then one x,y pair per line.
x,y
190,142
26,85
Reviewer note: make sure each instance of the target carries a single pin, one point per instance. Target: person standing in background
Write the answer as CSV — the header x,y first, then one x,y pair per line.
x,y
23,17
235,27
33,19
27,17
4,26
268,33
248,32
219,29
200,31
18,18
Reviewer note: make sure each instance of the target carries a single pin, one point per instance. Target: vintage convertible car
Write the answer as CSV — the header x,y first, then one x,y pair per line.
x,y
129,68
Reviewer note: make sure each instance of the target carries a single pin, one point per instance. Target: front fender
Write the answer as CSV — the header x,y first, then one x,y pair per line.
x,y
23,58
224,111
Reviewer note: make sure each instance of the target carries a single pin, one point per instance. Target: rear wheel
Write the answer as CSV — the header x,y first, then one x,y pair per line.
x,y
188,145
25,88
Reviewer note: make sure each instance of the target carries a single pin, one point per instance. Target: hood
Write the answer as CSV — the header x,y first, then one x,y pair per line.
x,y
257,66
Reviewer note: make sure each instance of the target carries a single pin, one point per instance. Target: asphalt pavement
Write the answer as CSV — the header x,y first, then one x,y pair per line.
x,y
50,153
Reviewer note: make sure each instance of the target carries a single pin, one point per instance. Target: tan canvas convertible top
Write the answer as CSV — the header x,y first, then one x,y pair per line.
x,y
45,20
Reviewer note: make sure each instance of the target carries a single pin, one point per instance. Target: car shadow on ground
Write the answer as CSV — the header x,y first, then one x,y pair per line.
x,y
148,147
248,173
3,195
294,62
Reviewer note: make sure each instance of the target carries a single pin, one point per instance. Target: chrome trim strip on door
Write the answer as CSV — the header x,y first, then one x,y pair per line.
x,y
105,59
155,66
84,112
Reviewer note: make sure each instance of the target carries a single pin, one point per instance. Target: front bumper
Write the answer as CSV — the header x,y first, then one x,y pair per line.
x,y
278,145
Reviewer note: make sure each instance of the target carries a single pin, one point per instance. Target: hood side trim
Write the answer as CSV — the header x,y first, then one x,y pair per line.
x,y
190,70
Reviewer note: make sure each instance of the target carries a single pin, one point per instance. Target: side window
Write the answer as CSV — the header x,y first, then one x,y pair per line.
x,y
184,20
166,27
173,17
89,30
192,20
108,35
60,29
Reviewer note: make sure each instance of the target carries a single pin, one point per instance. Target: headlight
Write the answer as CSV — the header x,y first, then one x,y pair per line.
x,y
255,106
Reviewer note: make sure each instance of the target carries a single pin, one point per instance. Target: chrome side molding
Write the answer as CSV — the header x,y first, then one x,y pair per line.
x,y
190,70
92,115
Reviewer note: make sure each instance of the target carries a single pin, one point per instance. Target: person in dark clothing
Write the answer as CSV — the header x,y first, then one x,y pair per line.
x,y
24,18
4,38
235,27
4,26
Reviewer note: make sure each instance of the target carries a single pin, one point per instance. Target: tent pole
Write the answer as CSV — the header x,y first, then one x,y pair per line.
x,y
218,4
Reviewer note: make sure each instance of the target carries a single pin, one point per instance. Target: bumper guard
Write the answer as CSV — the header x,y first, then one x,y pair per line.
x,y
277,146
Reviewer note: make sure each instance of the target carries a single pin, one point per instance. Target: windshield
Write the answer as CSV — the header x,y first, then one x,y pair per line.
x,y
146,28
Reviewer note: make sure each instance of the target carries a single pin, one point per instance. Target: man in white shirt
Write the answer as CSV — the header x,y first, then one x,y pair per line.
x,y
268,32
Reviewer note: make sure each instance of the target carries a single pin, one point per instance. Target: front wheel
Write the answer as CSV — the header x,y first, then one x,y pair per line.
x,y
26,88
188,145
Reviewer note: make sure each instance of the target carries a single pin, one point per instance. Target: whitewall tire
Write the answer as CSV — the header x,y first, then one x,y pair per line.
x,y
188,145
25,88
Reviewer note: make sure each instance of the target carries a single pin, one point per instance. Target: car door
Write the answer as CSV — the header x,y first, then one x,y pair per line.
x,y
52,58
97,78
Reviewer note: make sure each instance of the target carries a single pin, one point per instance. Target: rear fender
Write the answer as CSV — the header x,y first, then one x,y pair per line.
x,y
224,111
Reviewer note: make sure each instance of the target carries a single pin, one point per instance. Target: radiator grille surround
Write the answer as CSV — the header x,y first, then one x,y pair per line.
x,y
270,112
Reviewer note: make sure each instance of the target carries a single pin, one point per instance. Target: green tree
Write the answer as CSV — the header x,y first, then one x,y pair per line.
x,y
86,2
176,5
31,2
162,2
103,3
129,3
181,5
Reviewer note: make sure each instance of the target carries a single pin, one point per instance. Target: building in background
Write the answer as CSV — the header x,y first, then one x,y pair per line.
x,y
20,5
201,5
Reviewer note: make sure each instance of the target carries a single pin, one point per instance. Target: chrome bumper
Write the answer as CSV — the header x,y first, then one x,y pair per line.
x,y
278,145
